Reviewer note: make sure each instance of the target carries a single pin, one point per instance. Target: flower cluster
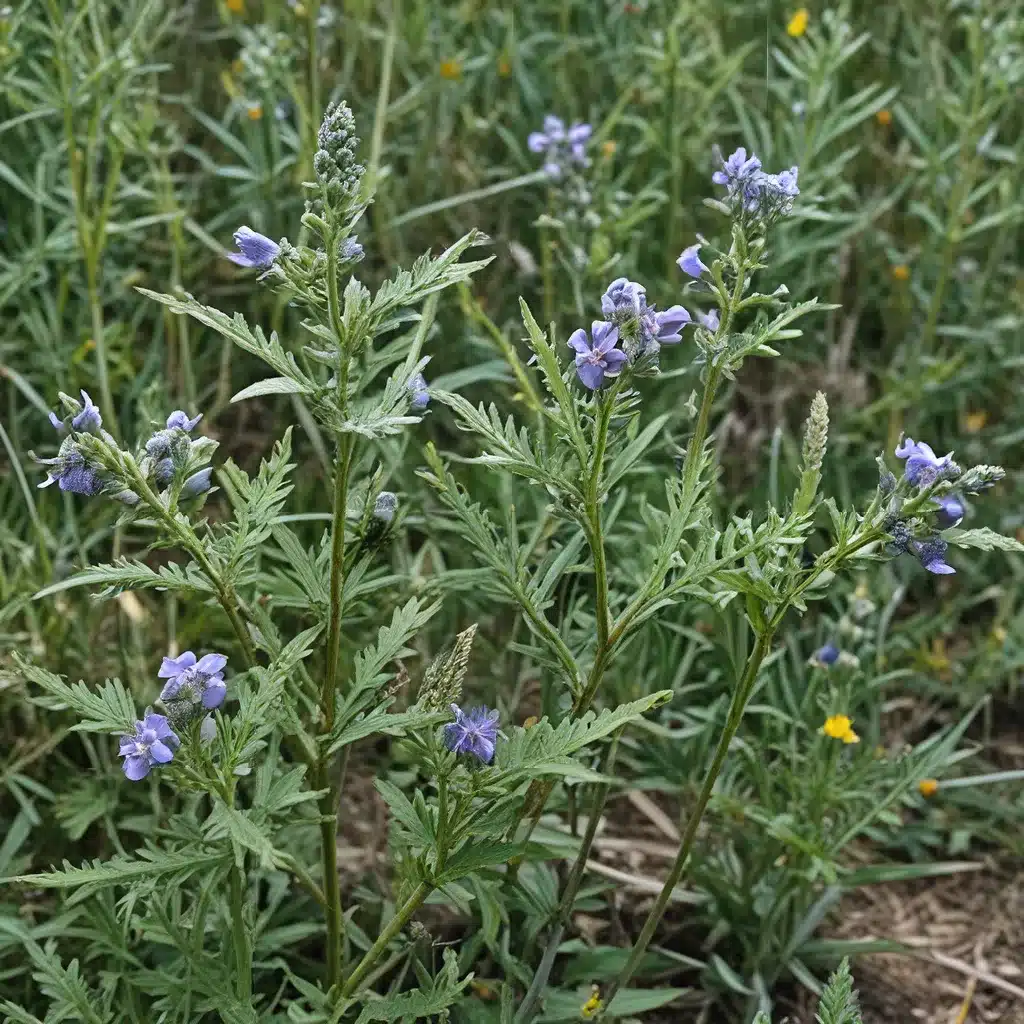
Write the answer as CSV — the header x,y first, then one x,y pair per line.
x,y
193,687
473,732
752,191
924,470
170,450
72,469
337,172
195,681
640,328
562,148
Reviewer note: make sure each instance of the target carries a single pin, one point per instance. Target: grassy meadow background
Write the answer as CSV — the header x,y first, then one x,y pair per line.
x,y
135,138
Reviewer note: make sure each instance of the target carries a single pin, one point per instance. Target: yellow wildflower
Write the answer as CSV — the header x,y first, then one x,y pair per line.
x,y
999,634
608,148
839,727
531,722
901,272
884,117
235,6
928,787
798,23
975,421
504,66
592,1005
451,69
255,111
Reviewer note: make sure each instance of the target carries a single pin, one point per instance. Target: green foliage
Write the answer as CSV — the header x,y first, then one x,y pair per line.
x,y
639,577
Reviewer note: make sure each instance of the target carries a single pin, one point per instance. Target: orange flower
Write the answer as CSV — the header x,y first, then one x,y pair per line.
x,y
504,66
255,111
884,117
451,69
928,787
901,272
235,6
531,722
608,148
798,23
975,421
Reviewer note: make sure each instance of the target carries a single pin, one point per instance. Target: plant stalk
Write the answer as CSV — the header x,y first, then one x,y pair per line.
x,y
736,708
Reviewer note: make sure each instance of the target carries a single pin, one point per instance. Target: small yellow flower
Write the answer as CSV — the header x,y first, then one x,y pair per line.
x,y
999,634
451,69
975,421
884,117
300,11
255,111
901,272
608,148
504,66
928,787
592,1005
531,722
235,6
798,23
839,727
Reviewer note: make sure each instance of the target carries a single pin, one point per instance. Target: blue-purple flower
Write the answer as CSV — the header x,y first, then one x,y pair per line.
x,y
473,732
561,148
932,553
951,511
753,190
709,320
197,483
923,466
199,682
737,170
623,296
70,471
153,742
827,655
254,249
689,262
625,304
88,419
597,357
180,420
664,327
420,394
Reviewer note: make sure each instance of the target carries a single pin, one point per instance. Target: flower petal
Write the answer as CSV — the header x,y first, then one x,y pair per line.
x,y
136,767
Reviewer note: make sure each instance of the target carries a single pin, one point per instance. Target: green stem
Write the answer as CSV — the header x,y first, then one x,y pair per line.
x,y
328,803
736,708
240,938
394,926
327,806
